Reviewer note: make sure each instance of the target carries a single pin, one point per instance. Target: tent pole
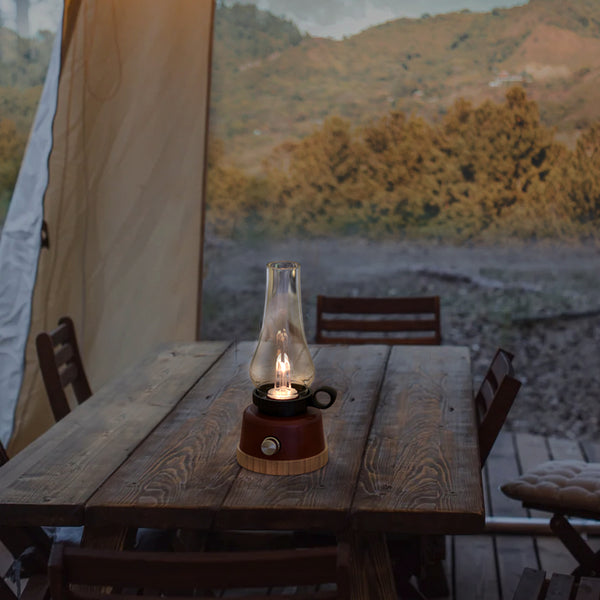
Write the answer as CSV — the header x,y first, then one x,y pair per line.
x,y
204,175
69,20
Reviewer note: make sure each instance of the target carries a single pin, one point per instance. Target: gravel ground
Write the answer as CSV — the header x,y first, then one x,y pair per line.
x,y
533,300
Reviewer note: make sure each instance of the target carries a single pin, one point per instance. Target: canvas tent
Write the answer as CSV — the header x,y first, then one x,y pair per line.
x,y
115,168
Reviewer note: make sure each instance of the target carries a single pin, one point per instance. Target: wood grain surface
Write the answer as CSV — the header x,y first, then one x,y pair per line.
x,y
157,448
181,474
319,500
50,481
420,472
186,474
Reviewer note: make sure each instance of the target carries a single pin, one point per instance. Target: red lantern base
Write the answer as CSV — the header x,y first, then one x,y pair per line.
x,y
282,445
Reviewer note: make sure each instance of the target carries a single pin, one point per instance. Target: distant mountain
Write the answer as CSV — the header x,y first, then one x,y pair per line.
x,y
283,85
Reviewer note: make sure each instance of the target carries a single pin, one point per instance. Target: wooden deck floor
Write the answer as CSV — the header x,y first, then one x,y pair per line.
x,y
487,567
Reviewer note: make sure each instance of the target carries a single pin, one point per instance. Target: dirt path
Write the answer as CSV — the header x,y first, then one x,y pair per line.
x,y
490,297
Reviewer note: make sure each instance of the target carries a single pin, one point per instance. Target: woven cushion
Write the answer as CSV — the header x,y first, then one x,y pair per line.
x,y
569,486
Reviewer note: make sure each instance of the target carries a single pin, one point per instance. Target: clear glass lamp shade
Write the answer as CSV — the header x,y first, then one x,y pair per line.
x,y
282,346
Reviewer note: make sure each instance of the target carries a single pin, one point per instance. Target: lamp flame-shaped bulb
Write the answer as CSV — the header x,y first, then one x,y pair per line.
x,y
283,389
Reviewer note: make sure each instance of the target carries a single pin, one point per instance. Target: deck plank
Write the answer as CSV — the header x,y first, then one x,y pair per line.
x,y
565,449
475,575
513,551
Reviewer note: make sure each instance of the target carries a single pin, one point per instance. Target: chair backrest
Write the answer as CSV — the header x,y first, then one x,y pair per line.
x,y
175,573
494,400
378,320
61,365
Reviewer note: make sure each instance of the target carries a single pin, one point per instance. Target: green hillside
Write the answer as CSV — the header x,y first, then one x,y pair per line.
x,y
285,86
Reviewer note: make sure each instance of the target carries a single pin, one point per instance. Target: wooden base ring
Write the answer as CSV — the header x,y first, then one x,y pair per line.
x,y
282,467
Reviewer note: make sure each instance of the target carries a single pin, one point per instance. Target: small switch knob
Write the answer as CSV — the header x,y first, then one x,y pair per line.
x,y
270,445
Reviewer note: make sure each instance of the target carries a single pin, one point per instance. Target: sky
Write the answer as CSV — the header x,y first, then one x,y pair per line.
x,y
43,14
321,18
339,18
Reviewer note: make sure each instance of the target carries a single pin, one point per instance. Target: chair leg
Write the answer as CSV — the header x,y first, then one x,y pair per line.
x,y
589,561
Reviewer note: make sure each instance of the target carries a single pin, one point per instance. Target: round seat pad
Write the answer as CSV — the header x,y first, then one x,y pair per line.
x,y
568,486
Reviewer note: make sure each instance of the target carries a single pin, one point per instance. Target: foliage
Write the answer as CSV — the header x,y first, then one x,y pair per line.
x,y
24,62
23,67
243,33
584,178
236,198
482,173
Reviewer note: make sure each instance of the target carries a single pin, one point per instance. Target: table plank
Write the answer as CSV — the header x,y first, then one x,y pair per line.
x,y
325,496
180,476
72,459
421,472
202,458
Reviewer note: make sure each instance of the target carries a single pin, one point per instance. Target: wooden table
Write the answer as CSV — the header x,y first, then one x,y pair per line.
x,y
156,448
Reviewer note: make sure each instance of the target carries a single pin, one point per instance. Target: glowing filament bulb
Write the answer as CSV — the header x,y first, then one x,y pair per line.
x,y
283,389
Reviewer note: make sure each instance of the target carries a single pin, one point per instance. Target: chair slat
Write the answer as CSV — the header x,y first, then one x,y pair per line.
x,y
68,374
588,589
380,305
561,587
392,340
63,354
61,334
485,396
396,325
502,365
531,585
171,572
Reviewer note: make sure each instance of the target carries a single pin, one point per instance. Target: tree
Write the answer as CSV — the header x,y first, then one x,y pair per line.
x,y
498,158
315,180
400,159
585,177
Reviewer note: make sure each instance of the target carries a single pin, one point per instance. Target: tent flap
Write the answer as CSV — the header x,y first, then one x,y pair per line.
x,y
124,198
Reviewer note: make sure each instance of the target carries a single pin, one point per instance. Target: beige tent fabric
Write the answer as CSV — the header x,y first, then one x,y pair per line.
x,y
124,204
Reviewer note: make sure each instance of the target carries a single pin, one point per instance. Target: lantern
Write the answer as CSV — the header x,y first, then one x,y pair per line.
x,y
282,430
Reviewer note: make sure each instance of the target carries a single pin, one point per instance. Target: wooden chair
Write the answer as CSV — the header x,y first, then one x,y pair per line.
x,y
494,400
378,320
563,488
61,366
169,574
533,585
